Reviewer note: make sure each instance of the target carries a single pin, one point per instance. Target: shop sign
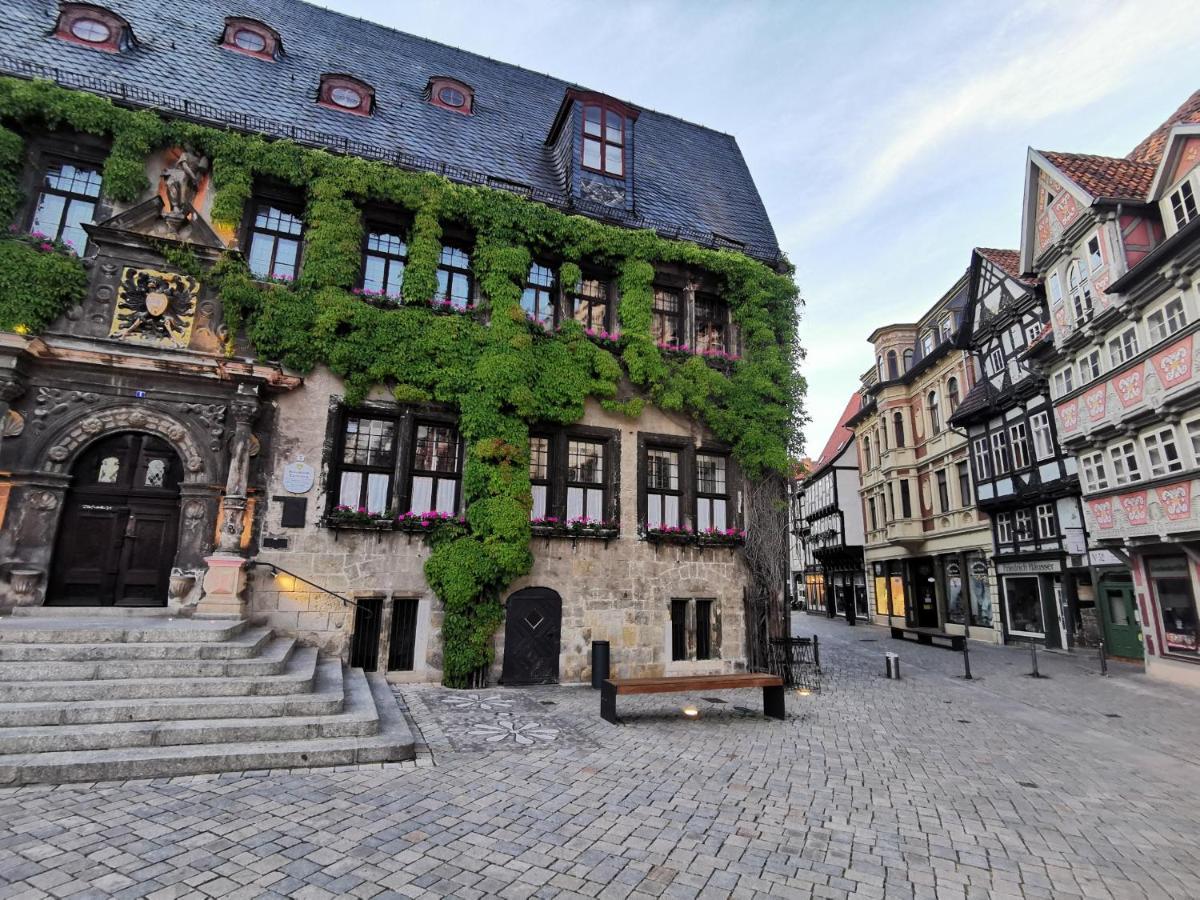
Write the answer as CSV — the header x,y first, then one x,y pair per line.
x,y
1032,567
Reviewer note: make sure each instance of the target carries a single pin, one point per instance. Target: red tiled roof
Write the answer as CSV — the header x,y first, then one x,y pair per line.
x,y
1150,150
1105,176
841,434
1008,261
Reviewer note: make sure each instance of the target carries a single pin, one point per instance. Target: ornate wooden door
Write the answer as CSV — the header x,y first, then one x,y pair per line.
x,y
532,624
120,525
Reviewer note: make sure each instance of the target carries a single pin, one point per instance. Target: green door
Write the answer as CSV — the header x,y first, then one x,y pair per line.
x,y
1123,632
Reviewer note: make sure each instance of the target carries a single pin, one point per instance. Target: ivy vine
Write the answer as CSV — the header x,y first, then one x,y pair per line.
x,y
501,376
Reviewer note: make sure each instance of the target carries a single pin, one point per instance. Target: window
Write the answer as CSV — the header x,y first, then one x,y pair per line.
x,y
952,394
1193,435
251,38
1183,204
1024,520
893,365
539,476
603,140
704,628
983,460
692,629
964,485
1023,600
1089,367
679,610
935,415
1003,528
538,297
898,427
908,358
1171,581
1033,331
589,303
275,242
662,488
927,343
451,94
867,454
1124,463
995,362
1020,445
1064,382
1000,452
383,264
871,512
1161,453
1095,258
368,461
585,480
1043,440
1081,293
946,329
456,285
943,490
436,469
66,203
1123,347
712,493
1166,321
346,94
668,317
712,325
1047,521
1094,476
905,499
1056,292
92,26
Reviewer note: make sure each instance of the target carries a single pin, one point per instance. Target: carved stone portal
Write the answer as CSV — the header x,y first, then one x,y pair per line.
x,y
155,307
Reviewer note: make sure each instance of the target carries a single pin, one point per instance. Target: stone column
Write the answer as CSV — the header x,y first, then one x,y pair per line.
x,y
225,580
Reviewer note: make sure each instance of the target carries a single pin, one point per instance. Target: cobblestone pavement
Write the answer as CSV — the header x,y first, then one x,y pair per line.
x,y
1068,786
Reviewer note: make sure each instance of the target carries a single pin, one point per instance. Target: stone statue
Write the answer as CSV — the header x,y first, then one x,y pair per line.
x,y
182,181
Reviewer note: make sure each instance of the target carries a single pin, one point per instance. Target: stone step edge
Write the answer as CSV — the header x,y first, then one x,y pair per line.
x,y
242,646
33,631
359,717
393,743
326,698
272,660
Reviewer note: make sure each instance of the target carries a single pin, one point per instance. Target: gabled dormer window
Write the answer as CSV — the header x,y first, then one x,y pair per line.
x,y
94,27
1183,204
345,93
451,94
603,139
251,37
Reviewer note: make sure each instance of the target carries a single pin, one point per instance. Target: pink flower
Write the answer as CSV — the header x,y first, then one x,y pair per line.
x,y
46,248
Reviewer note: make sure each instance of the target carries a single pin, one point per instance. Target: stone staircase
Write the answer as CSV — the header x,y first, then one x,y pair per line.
x,y
102,695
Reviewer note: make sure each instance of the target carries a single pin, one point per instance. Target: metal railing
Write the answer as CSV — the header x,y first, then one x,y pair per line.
x,y
798,661
204,113
276,569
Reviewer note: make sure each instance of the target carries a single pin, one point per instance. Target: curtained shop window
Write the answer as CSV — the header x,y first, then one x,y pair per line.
x,y
1171,583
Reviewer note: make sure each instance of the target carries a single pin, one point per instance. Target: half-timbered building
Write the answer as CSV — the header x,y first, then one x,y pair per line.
x,y
1024,481
1114,240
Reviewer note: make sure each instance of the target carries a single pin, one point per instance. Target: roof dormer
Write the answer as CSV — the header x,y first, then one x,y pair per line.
x,y
593,142
94,27
251,37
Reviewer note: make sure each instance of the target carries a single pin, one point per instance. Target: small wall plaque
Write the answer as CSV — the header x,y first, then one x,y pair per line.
x,y
298,477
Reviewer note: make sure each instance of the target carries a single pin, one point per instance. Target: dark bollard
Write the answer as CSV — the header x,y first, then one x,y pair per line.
x,y
599,663
1033,652
966,660
817,652
1103,659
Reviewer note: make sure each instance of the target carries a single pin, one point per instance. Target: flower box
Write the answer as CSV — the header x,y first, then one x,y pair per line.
x,y
721,537
606,340
349,517
423,523
588,529
671,534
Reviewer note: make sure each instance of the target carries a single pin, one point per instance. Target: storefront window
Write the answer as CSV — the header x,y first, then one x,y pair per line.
x,y
1023,597
860,595
981,601
955,608
881,591
839,597
898,598
1172,585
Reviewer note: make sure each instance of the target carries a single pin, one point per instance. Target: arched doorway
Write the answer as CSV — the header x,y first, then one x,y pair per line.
x,y
120,525
532,624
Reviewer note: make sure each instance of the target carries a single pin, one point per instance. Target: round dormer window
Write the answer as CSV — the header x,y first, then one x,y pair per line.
x,y
345,97
250,41
93,31
452,97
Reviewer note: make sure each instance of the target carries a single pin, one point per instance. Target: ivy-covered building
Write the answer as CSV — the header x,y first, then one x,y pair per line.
x,y
437,363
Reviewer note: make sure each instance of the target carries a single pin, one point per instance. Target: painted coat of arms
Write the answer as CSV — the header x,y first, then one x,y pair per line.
x,y
155,307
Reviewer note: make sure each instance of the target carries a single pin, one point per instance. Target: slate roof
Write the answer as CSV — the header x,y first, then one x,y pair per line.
x,y
688,180
978,400
1105,176
842,434
1151,149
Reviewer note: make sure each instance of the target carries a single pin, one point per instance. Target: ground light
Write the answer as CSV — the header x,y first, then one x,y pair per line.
x,y
691,712
802,692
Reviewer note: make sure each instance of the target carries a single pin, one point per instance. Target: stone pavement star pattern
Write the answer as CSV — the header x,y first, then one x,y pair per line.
x,y
930,787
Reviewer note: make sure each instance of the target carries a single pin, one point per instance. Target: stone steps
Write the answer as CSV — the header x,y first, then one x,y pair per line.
x,y
242,646
124,695
272,661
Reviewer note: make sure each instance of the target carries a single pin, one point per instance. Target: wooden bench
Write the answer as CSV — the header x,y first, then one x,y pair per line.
x,y
929,636
772,688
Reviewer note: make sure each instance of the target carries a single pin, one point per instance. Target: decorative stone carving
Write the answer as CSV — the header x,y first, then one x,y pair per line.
x,y
54,402
14,424
182,182
155,307
92,425
59,453
604,194
123,418
44,500
24,581
213,417
195,464
193,511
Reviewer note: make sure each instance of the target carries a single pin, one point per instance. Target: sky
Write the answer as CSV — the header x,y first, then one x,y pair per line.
x,y
886,138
